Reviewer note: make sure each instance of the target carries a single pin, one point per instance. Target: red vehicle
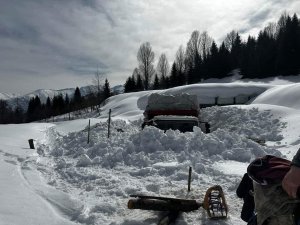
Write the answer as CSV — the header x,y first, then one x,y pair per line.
x,y
176,112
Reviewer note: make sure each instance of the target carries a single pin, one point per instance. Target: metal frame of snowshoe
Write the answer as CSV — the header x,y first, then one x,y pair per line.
x,y
214,203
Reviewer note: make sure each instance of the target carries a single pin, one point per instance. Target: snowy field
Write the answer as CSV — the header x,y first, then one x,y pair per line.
x,y
69,181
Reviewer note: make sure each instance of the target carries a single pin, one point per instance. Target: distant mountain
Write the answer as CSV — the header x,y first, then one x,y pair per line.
x,y
119,89
23,100
5,96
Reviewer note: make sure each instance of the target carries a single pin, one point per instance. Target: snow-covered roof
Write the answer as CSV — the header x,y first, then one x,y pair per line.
x,y
158,101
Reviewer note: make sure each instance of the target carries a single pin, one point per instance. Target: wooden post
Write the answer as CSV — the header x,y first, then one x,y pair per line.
x,y
109,115
190,178
31,144
216,100
89,128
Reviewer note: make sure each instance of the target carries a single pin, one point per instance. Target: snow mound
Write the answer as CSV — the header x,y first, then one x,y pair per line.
x,y
231,139
154,162
251,123
286,95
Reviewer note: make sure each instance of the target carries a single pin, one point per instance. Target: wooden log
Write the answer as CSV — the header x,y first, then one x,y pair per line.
x,y
163,198
182,205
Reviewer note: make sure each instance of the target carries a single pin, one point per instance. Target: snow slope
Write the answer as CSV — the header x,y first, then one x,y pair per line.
x,y
25,199
69,181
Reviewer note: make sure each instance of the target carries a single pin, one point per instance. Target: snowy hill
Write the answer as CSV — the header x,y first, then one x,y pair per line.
x,y
69,181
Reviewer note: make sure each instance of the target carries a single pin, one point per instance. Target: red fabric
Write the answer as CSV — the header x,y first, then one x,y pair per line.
x,y
268,169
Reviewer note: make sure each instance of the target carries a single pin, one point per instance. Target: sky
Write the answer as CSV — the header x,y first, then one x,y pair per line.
x,y
62,43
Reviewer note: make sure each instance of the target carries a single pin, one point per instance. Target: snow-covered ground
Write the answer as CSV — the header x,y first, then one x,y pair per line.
x,y
69,181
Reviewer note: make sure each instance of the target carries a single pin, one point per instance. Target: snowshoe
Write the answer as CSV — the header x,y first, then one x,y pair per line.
x,y
214,203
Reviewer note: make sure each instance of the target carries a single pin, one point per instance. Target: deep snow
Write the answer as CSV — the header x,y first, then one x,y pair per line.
x,y
68,181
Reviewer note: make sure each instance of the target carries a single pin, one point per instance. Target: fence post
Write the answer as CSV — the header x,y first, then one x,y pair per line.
x,y
31,145
89,128
190,178
216,100
109,115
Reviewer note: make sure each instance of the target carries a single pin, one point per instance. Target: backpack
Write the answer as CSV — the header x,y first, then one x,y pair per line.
x,y
273,206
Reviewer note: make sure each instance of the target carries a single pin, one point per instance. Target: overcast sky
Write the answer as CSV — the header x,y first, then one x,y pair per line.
x,y
55,44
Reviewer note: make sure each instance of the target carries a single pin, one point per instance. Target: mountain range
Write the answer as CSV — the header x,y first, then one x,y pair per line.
x,y
14,100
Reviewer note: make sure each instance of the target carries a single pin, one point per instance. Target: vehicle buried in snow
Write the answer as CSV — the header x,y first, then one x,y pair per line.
x,y
177,112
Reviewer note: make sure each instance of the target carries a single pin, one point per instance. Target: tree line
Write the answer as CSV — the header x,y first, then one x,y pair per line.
x,y
275,51
58,105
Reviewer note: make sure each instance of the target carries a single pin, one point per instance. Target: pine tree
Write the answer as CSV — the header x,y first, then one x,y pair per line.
x,y
139,84
106,89
58,105
48,108
213,61
266,55
190,73
198,72
77,99
288,51
249,60
34,111
67,103
236,52
129,85
156,84
18,115
224,61
4,112
173,76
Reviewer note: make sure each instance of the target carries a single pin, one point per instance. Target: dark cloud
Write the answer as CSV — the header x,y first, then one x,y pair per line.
x,y
259,17
89,3
83,66
266,11
99,7
20,32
